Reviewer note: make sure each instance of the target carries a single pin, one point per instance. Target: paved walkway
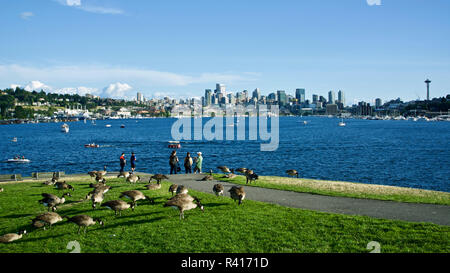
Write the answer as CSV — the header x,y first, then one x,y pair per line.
x,y
437,214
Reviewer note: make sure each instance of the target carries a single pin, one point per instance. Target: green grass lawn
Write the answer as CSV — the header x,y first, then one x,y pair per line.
x,y
345,189
222,227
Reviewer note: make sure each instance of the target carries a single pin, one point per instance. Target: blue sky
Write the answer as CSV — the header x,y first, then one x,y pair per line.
x,y
180,48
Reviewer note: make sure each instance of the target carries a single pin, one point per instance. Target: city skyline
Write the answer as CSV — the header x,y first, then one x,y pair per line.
x,y
116,48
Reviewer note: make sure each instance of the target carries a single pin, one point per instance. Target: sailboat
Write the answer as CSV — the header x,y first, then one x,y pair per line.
x,y
342,123
65,128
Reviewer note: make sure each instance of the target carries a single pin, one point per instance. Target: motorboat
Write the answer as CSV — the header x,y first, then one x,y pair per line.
x,y
122,126
18,160
174,144
65,128
108,125
91,145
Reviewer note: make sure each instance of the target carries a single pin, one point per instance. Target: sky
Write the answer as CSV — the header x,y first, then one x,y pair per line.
x,y
115,48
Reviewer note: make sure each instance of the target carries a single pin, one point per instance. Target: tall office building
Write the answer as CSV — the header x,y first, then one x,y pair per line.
x,y
341,97
272,97
300,95
256,94
282,98
208,97
378,103
231,98
315,98
139,97
220,89
331,97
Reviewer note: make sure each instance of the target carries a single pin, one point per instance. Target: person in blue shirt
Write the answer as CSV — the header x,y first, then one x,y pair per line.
x,y
133,162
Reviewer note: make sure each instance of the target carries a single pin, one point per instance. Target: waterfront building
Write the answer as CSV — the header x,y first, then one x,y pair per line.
x,y
341,97
331,97
282,98
315,98
378,103
139,97
256,94
208,97
300,95
332,109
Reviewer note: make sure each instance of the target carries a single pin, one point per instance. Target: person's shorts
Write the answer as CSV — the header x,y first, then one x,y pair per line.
x,y
133,165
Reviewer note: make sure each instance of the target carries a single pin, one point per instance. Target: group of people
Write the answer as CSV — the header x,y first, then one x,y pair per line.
x,y
191,165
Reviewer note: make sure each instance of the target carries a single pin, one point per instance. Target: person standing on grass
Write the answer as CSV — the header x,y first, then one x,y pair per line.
x,y
173,162
188,163
199,162
133,162
123,161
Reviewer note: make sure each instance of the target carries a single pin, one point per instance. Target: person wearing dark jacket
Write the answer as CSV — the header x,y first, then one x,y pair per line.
x,y
133,162
173,162
188,163
123,161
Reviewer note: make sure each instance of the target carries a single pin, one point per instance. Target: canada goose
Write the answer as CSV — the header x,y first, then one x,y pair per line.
x,y
97,198
118,206
229,176
51,200
84,221
102,173
218,189
156,186
184,202
124,174
135,196
92,174
11,237
133,178
48,218
292,173
63,186
158,177
173,188
207,178
237,193
96,185
99,189
49,183
182,189
241,170
100,179
251,176
225,169
1,189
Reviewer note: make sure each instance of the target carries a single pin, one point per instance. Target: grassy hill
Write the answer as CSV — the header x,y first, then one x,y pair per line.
x,y
222,227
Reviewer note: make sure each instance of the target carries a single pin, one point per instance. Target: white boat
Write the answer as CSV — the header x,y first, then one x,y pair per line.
x,y
65,128
14,139
342,123
18,160
108,125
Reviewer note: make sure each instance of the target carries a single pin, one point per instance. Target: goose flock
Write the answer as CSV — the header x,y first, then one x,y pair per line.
x,y
180,199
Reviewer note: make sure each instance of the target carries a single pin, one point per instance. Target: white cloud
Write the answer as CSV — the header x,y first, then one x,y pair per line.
x,y
116,90
25,15
37,86
13,86
90,8
82,90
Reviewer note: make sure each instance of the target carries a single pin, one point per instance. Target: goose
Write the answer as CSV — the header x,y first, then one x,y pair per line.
x,y
63,186
173,188
135,196
11,237
241,170
229,176
133,178
156,186
182,189
124,174
158,177
118,206
51,200
102,173
99,189
184,202
292,173
237,193
49,183
84,221
1,189
100,179
251,176
96,185
218,189
48,218
225,169
207,178
96,198
92,174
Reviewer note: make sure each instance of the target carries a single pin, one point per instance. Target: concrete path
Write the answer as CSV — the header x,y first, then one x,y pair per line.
x,y
437,214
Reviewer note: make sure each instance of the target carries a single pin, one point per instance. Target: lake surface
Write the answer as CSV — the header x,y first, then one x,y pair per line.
x,y
398,153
